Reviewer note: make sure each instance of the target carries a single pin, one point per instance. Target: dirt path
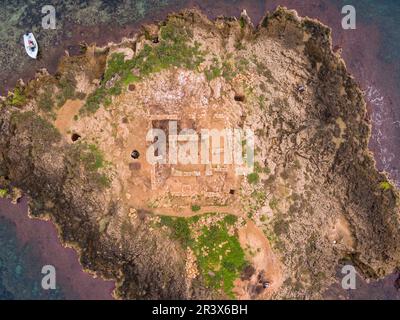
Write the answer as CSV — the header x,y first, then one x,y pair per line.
x,y
266,264
65,115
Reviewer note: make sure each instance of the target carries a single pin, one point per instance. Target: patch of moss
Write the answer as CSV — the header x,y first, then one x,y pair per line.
x,y
45,101
230,219
257,167
66,86
93,101
93,161
217,69
213,72
253,178
219,255
173,49
260,196
17,98
228,71
261,102
273,204
180,229
92,157
102,180
242,65
242,22
175,31
385,185
115,65
36,124
3,193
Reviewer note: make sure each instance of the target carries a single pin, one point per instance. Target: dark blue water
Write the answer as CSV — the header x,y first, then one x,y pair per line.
x,y
386,15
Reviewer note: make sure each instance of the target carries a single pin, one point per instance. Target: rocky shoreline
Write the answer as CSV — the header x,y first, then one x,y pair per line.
x,y
65,185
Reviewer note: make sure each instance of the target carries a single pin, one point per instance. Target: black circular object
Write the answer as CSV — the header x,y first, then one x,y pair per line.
x,y
135,154
75,137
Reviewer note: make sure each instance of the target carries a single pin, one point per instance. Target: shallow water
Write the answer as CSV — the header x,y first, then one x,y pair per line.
x,y
371,53
26,245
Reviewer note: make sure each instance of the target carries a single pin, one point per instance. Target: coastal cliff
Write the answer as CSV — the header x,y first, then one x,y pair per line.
x,y
314,200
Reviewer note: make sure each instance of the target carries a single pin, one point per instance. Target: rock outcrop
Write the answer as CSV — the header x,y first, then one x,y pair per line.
x,y
315,197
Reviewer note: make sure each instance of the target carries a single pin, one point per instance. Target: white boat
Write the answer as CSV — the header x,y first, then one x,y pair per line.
x,y
31,45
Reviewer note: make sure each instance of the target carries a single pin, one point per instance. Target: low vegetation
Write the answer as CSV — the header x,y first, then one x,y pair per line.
x,y
253,178
384,185
66,86
56,93
45,100
273,203
16,98
92,159
173,49
41,128
223,69
180,229
219,255
263,70
195,208
3,193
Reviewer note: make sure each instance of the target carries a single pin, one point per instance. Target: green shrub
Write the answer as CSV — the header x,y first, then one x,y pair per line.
x,y
242,22
213,72
230,219
180,229
93,101
46,102
273,204
92,157
92,160
224,260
